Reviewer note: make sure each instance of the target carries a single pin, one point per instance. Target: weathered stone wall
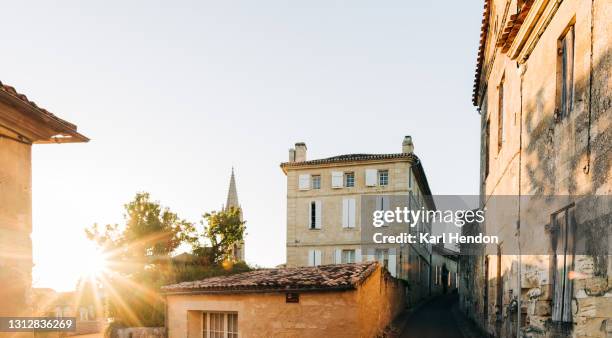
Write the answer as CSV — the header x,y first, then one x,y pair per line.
x,y
15,227
268,315
356,313
545,154
142,332
380,299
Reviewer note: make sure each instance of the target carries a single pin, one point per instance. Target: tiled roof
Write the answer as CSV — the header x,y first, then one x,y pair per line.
x,y
43,114
352,158
505,40
320,278
481,50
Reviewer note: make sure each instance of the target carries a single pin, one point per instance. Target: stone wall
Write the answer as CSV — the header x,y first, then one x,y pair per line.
x,y
15,227
142,332
332,235
544,153
352,313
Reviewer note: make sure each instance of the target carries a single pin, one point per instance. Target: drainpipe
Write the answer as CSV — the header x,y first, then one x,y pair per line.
x,y
587,167
522,70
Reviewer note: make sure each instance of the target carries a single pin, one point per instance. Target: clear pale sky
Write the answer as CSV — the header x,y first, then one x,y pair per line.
x,y
173,94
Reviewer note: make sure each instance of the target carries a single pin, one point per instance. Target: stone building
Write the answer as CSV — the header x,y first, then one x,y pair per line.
x,y
544,94
345,300
328,217
22,124
444,270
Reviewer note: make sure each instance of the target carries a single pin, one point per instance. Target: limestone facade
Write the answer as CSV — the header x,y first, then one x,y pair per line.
x,y
544,94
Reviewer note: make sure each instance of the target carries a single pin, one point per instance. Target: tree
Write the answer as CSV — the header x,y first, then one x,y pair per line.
x,y
139,255
224,229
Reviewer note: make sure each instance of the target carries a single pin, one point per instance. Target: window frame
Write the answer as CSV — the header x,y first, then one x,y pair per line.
x,y
566,62
380,174
205,326
349,176
348,256
315,182
501,133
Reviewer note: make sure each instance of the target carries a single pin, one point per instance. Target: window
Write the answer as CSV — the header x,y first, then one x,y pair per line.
x,y
349,179
348,213
314,215
565,75
348,256
219,325
370,177
314,257
500,116
337,179
383,177
382,257
316,181
304,182
562,243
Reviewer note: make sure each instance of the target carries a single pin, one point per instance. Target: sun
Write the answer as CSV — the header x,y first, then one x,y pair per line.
x,y
92,263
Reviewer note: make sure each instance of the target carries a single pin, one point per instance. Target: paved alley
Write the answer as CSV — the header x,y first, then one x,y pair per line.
x,y
434,320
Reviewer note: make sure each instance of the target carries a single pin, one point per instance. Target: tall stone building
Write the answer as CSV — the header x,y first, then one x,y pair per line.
x,y
325,198
544,94
232,202
22,124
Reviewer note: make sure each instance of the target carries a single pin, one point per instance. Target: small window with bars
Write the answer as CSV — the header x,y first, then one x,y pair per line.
x,y
219,325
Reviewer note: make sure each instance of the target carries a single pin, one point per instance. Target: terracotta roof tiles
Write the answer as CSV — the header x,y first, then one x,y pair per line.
x,y
320,278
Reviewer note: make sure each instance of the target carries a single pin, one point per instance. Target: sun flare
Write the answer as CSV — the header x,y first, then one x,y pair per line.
x,y
93,263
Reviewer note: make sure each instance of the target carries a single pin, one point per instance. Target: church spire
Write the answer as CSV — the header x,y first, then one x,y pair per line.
x,y
232,193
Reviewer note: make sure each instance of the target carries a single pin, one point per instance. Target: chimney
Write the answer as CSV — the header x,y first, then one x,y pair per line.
x,y
291,154
300,152
407,146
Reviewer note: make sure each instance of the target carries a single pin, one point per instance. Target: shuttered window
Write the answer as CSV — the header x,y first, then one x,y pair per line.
x,y
562,236
314,215
348,213
314,257
370,177
565,77
337,177
304,182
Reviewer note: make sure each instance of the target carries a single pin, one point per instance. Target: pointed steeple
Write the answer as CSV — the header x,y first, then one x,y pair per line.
x,y
232,193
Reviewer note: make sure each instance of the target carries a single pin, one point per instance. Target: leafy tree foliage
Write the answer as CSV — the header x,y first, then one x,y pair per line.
x,y
140,256
223,229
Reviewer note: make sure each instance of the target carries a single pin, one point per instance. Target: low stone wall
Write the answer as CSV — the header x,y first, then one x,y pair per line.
x,y
142,332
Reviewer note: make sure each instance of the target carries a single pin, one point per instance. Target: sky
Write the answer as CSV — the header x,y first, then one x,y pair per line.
x,y
173,94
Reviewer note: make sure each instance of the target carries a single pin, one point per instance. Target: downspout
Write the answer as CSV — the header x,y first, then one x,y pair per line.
x,y
522,70
587,167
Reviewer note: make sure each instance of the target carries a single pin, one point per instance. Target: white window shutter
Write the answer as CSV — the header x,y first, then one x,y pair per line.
x,y
370,176
317,257
304,182
351,213
318,215
338,256
311,261
392,257
337,178
345,212
357,255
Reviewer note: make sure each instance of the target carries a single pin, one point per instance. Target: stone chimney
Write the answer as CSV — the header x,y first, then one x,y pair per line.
x,y
407,145
300,152
291,154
